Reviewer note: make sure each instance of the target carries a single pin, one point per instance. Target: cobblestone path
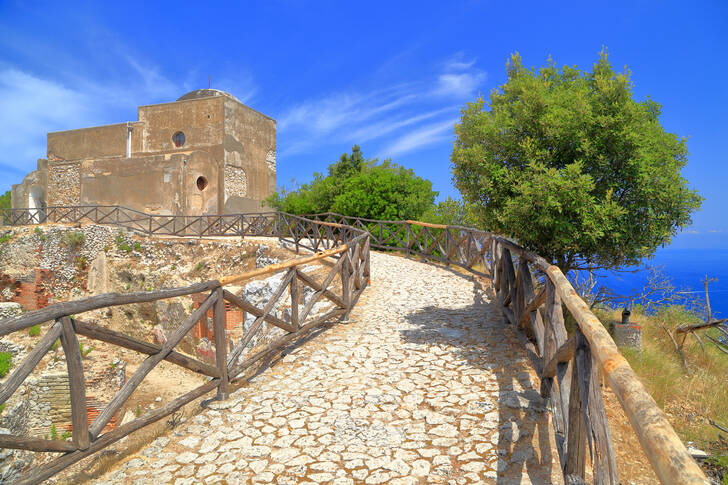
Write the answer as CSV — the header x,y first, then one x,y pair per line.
x,y
425,384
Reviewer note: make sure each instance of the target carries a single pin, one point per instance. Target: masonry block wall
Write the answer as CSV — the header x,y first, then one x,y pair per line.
x,y
50,395
30,291
234,317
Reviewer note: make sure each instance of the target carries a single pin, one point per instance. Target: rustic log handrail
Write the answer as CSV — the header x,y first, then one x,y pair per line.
x,y
347,246
568,366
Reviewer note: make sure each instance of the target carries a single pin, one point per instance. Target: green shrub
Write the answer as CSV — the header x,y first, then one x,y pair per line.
x,y
55,344
85,350
137,246
39,233
82,262
122,244
54,432
75,239
65,435
34,331
2,408
138,411
6,362
6,237
198,267
721,463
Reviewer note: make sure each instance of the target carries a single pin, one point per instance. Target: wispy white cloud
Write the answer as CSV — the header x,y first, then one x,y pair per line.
x,y
345,116
385,127
460,77
31,106
458,84
401,116
424,136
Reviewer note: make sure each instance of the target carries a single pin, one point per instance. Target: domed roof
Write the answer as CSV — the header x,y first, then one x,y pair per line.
x,y
206,93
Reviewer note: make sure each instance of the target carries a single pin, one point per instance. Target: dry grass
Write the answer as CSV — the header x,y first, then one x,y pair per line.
x,y
688,398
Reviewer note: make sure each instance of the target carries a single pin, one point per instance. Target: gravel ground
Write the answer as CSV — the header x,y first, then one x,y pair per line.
x,y
424,384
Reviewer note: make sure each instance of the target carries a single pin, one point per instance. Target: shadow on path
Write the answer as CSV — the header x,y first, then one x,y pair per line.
x,y
478,336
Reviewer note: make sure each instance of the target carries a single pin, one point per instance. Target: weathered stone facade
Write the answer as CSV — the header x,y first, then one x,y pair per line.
x,y
64,184
205,153
236,182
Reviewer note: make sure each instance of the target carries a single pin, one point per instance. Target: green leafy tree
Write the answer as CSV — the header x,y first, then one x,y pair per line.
x,y
451,212
570,165
5,200
348,165
360,187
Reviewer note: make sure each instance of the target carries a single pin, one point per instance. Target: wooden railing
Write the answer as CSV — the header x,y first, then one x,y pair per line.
x,y
532,294
348,246
254,224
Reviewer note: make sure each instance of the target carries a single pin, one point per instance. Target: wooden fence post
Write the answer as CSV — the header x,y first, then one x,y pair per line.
x,y
600,444
576,430
555,337
220,344
345,294
76,384
295,297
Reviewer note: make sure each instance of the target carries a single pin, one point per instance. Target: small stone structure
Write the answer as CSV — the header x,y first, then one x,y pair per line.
x,y
206,153
628,334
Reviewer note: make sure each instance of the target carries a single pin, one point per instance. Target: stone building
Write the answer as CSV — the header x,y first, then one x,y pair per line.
x,y
205,153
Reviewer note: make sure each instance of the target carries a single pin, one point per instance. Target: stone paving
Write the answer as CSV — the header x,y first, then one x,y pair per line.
x,y
425,384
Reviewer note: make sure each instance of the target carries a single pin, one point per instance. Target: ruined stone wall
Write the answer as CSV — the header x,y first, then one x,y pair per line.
x,y
236,182
32,291
35,181
64,183
250,145
49,403
95,142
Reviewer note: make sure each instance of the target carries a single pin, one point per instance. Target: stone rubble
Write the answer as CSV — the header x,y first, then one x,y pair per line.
x,y
424,384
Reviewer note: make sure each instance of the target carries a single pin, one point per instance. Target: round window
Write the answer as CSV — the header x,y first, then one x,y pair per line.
x,y
178,139
201,182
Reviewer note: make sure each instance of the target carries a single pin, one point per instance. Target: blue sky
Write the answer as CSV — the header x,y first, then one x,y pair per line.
x,y
389,76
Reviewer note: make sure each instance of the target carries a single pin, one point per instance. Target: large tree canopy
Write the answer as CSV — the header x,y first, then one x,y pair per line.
x,y
570,165
360,187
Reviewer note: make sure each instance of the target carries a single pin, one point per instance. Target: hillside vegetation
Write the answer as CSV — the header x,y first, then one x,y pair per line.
x,y
5,200
689,398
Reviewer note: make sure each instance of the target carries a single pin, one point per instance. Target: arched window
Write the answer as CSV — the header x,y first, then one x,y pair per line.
x,y
201,182
178,139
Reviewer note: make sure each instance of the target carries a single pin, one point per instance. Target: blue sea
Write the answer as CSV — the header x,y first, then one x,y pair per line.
x,y
686,267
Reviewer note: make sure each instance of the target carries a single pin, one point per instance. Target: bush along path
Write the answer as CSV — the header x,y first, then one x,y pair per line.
x,y
425,384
